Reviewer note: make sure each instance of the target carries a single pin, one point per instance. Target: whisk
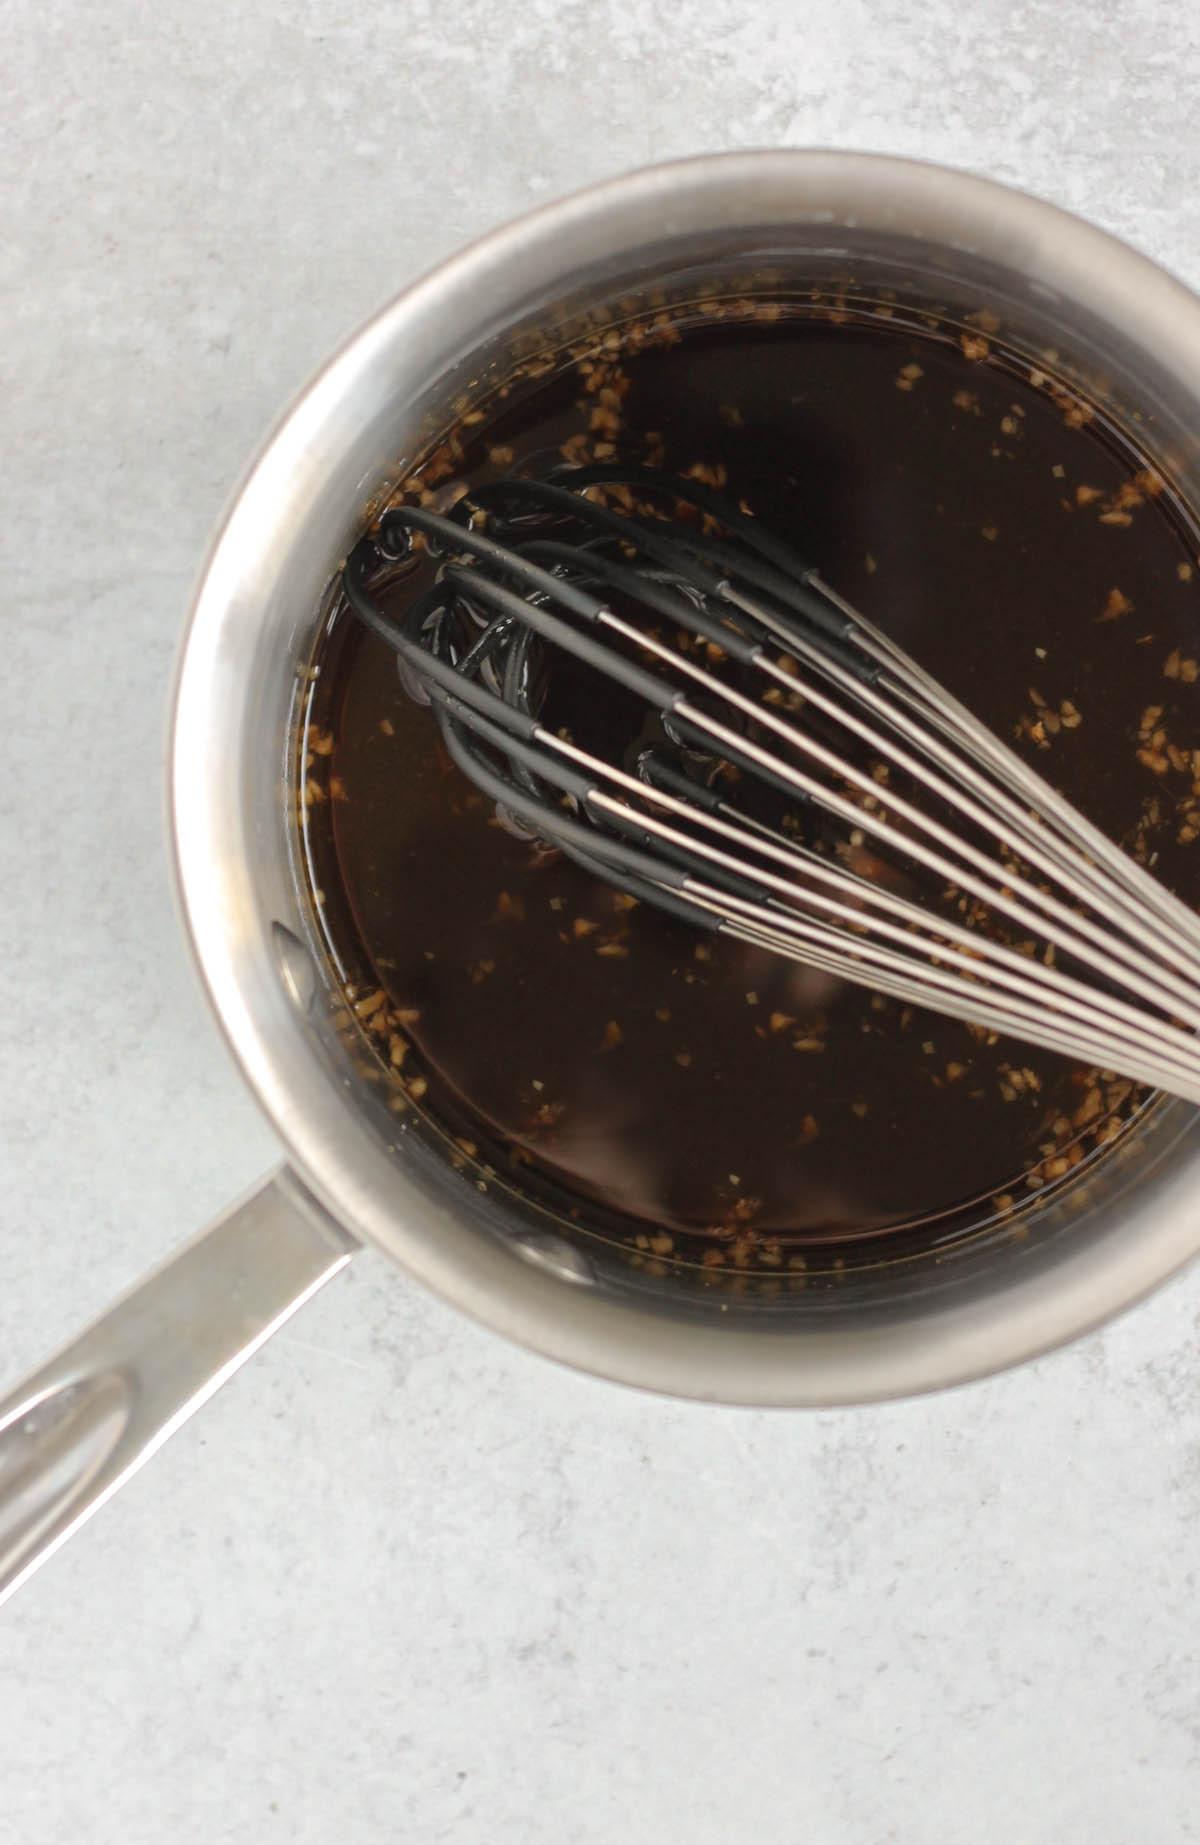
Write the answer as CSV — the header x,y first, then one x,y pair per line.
x,y
766,711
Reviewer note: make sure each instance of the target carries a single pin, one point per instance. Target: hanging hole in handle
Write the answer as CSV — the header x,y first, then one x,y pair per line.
x,y
51,1450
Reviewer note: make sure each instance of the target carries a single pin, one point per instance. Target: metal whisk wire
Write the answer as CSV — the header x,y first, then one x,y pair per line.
x,y
800,695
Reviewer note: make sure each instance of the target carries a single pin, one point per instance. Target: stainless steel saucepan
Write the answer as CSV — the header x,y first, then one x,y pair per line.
x,y
71,1433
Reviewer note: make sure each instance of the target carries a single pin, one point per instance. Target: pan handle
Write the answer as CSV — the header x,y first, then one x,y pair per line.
x,y
79,1425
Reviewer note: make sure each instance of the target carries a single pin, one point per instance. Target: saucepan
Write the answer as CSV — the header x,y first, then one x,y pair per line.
x,y
353,1174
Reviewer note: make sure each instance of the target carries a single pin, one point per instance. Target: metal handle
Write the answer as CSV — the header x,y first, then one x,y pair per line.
x,y
75,1430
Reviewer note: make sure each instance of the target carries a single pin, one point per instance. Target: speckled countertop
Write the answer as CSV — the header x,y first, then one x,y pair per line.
x,y
400,1582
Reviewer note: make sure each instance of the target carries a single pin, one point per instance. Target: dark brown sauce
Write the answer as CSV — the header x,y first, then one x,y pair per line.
x,y
687,1087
